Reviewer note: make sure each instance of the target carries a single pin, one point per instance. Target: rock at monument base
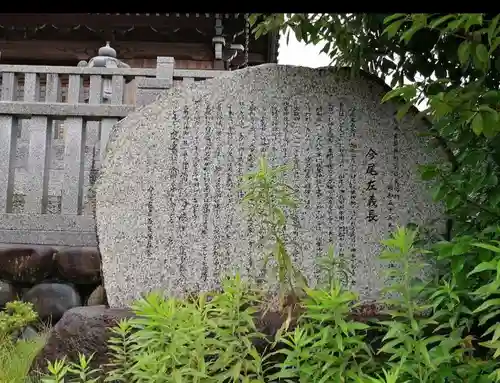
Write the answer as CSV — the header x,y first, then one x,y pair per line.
x,y
168,214
7,293
52,300
97,297
81,265
26,264
81,329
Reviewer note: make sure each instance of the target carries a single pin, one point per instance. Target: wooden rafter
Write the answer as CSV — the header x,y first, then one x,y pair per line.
x,y
98,21
83,50
172,28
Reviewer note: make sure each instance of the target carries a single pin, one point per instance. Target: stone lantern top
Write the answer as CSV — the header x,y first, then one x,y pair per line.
x,y
107,51
106,58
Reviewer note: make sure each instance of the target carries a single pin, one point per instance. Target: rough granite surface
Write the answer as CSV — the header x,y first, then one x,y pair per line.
x,y
168,210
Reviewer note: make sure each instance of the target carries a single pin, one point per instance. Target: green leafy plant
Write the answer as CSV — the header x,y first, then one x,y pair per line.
x,y
121,346
418,356
62,371
334,269
266,198
15,317
208,339
17,357
325,346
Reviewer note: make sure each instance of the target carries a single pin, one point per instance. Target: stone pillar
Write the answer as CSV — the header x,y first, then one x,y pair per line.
x,y
106,58
148,89
165,67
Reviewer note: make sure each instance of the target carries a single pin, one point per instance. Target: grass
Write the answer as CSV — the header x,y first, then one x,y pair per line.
x,y
16,358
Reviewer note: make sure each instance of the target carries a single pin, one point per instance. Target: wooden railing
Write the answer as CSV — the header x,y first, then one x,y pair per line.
x,y
54,126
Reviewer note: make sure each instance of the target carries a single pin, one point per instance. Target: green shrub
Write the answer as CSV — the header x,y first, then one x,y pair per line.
x,y
267,200
15,317
16,355
326,345
61,371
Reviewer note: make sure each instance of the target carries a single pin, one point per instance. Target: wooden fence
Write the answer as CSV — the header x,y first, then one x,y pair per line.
x,y
54,126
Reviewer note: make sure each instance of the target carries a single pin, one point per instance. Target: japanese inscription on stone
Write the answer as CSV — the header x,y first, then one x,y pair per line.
x,y
371,185
168,208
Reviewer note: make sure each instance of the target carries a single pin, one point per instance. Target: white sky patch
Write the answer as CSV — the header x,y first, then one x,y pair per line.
x,y
300,54
308,55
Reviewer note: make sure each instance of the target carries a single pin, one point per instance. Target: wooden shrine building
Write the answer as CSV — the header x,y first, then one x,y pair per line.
x,y
195,40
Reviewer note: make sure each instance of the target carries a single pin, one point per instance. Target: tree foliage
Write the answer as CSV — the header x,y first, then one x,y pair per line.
x,y
451,62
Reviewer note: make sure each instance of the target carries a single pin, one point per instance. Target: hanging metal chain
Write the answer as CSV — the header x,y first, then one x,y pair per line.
x,y
247,38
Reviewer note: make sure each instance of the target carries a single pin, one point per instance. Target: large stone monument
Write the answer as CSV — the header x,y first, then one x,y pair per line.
x,y
168,210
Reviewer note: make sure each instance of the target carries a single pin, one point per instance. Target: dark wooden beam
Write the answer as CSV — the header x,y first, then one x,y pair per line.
x,y
83,50
109,21
253,58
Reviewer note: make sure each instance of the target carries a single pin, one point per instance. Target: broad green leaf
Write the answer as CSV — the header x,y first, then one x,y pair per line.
x,y
473,19
423,351
429,174
472,158
452,201
391,94
464,52
389,347
298,33
403,110
494,44
482,53
460,248
489,303
495,249
494,198
492,28
441,20
490,124
477,124
439,193
484,266
487,317
496,332
454,25
395,16
393,28
410,32
487,108
491,179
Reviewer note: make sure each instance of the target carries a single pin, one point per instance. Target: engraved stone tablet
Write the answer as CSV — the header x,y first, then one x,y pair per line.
x,y
168,210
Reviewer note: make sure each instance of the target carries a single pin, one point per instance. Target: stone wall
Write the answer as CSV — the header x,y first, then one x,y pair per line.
x,y
54,279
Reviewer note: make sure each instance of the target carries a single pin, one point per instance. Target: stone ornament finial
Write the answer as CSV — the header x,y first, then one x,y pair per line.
x,y
106,58
107,51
